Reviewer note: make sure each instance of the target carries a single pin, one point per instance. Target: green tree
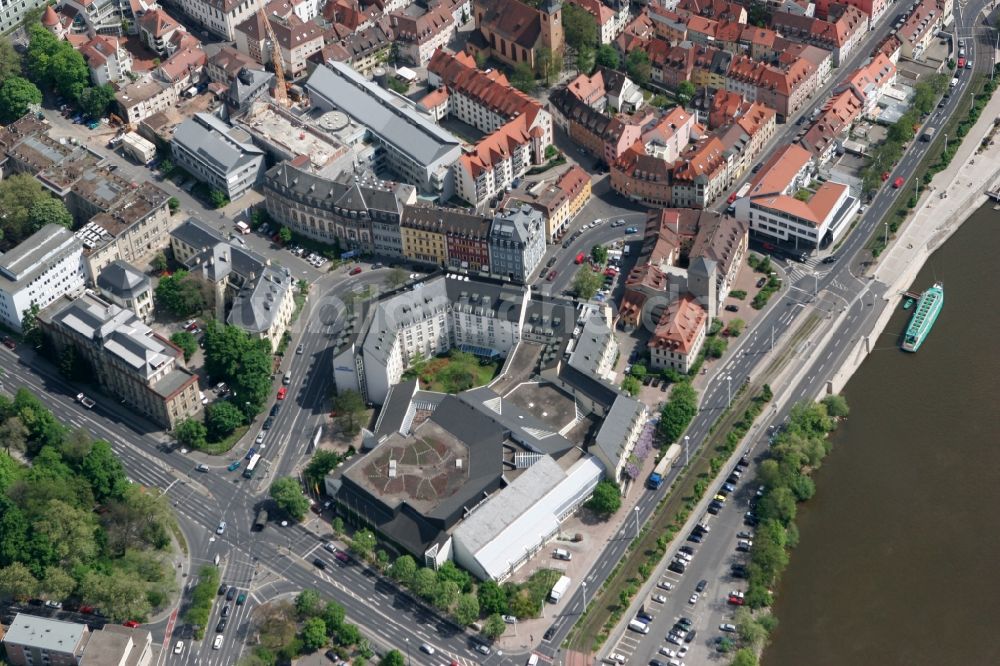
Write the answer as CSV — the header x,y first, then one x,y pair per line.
x,y
218,198
221,419
392,658
523,78
579,27
119,596
607,498
751,633
677,413
348,634
548,65
492,599
744,657
287,494
396,277
16,95
333,616
243,362
363,544
637,65
467,609
94,101
56,584
18,193
285,235
494,626
586,58
586,282
403,569
836,406
69,72
10,60
736,327
319,466
638,370
191,434
608,57
14,434
685,92
173,203
631,385
182,294
425,582
777,504
599,254
715,347
350,407
29,326
308,604
187,342
17,582
159,262
446,594
449,571
104,472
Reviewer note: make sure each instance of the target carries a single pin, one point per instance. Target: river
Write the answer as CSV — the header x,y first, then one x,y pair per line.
x,y
897,562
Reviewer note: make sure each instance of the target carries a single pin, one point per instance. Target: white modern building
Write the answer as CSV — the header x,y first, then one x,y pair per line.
x,y
414,148
45,266
221,16
447,312
218,154
785,203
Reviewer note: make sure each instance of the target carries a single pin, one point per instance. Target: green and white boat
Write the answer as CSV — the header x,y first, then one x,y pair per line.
x,y
924,316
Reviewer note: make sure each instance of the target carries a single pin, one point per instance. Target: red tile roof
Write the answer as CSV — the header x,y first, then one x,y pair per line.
x,y
680,326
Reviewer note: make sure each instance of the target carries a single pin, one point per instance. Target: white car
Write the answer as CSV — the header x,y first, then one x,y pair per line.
x,y
664,585
659,598
221,528
667,652
218,642
693,599
180,647
736,593
728,627
510,619
615,658
428,648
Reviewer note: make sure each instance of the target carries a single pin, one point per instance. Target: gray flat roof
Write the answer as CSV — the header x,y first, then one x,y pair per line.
x,y
590,345
45,634
257,305
35,253
215,142
616,425
338,86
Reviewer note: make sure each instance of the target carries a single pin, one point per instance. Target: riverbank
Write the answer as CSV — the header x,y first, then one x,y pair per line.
x,y
965,183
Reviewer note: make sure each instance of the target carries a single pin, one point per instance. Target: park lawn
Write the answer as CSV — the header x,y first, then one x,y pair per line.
x,y
434,376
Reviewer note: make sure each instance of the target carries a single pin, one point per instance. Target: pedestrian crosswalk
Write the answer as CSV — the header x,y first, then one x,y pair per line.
x,y
798,271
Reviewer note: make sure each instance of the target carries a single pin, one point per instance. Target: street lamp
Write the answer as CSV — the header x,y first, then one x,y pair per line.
x,y
636,522
687,450
407,651
584,588
729,389
887,234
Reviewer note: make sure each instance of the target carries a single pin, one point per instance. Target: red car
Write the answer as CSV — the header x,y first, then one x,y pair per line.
x,y
282,392
732,198
552,276
579,258
355,270
961,63
342,556
885,176
611,272
736,601
86,610
131,624
9,343
898,183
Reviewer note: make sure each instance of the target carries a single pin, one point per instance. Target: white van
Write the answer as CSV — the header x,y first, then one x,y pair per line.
x,y
532,660
562,554
954,82
638,627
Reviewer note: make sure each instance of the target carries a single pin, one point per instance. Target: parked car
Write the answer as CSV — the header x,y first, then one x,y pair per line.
x,y
355,270
282,392
732,308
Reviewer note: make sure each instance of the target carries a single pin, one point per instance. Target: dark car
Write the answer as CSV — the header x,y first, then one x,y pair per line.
x,y
744,461
700,587
549,633
690,637
695,537
757,167
732,308
225,610
275,409
231,594
268,422
223,588
689,550
644,616
733,479
219,628
319,564
677,567
829,260
761,282
738,571
714,508
750,519
551,261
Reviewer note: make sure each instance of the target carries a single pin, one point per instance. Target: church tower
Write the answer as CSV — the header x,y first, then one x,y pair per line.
x,y
552,29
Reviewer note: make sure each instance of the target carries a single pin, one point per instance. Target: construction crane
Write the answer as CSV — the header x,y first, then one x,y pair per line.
x,y
280,91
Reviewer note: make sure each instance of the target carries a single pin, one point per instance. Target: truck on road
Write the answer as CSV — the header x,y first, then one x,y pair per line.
x,y
659,473
559,589
141,150
928,134
85,401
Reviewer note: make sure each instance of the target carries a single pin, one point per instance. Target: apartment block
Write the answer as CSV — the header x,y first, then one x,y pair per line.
x,y
517,244
221,16
130,362
31,640
43,267
218,154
